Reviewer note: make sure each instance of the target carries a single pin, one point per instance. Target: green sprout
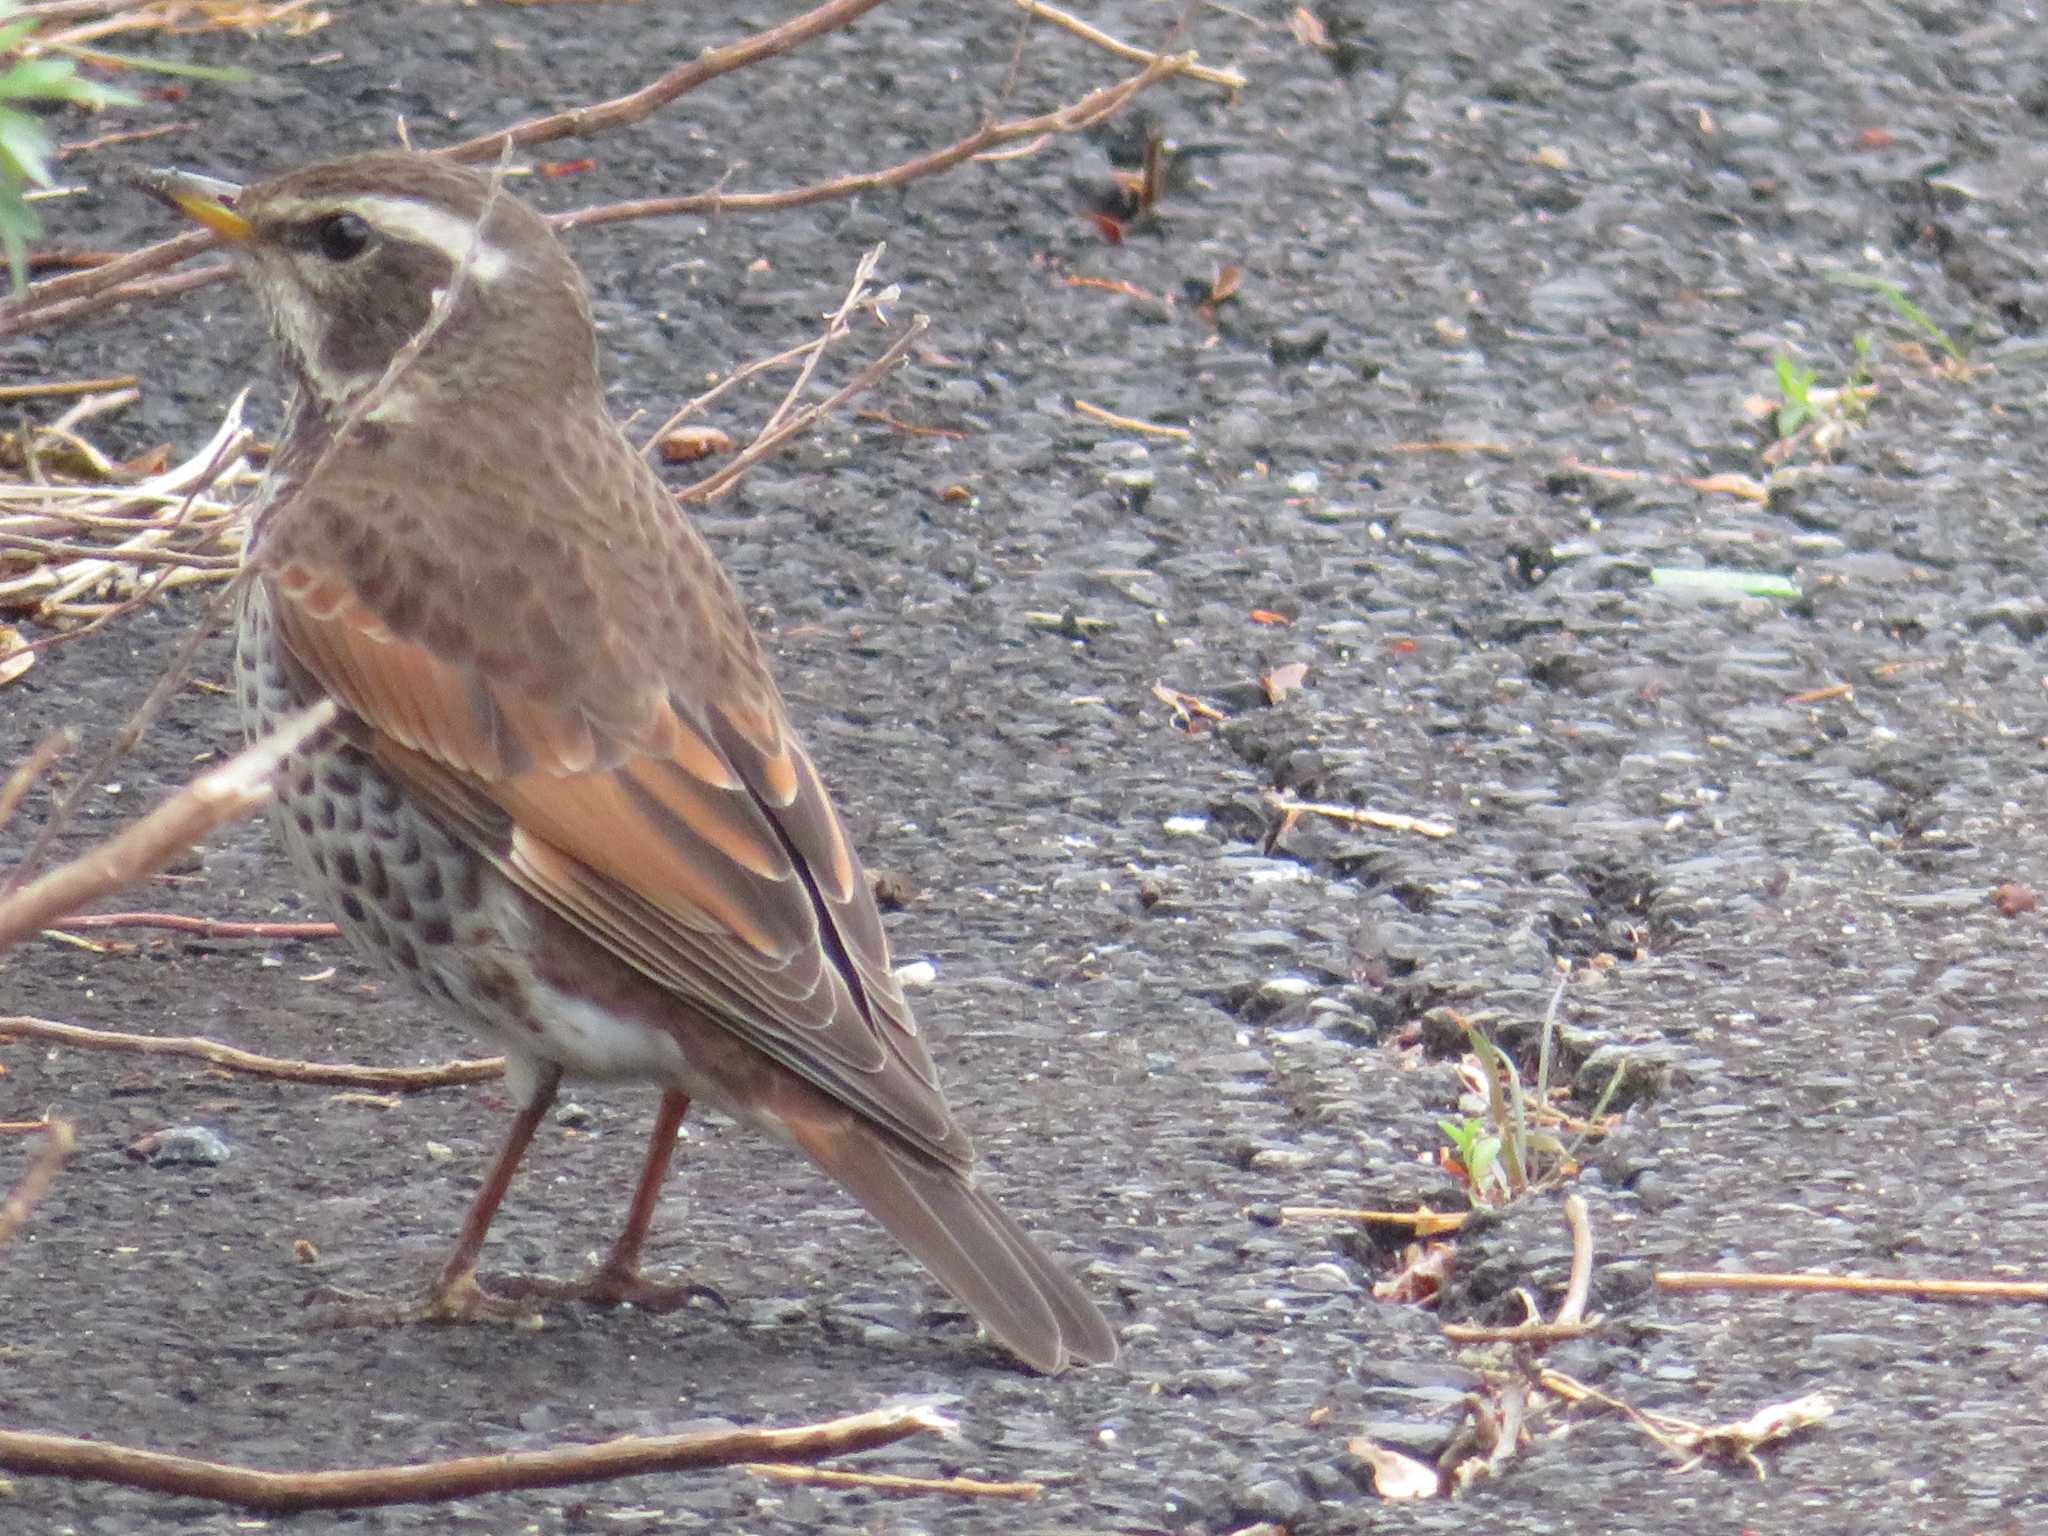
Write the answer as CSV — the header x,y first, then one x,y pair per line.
x,y
25,143
39,72
1504,1153
1795,395
1903,307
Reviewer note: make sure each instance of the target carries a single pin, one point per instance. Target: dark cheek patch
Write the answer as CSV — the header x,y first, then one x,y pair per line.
x,y
381,307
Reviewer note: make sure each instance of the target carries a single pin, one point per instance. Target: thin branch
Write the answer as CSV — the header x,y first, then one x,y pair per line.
x,y
1357,815
19,782
1229,79
42,1173
115,282
1860,1285
700,403
234,789
889,1482
713,486
836,325
649,99
227,443
1516,1333
447,1074
434,1482
199,927
1579,1283
1085,113
12,392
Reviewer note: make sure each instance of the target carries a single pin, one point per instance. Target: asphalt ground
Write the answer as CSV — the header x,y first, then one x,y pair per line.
x,y
1553,242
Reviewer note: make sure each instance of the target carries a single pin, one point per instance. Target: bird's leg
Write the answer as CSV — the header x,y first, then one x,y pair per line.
x,y
622,1267
618,1280
455,1296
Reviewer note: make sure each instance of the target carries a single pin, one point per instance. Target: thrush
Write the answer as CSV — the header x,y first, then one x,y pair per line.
x,y
563,797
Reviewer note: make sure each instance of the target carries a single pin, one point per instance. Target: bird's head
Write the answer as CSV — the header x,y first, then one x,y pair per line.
x,y
351,259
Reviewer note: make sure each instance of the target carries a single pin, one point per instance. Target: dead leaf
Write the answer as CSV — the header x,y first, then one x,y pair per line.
x,y
1105,226
1188,710
1424,1269
1739,1442
1309,31
1395,1477
15,656
1283,680
2014,898
686,445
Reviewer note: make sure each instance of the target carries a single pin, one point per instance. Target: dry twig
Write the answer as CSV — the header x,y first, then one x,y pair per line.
x,y
427,1482
234,789
889,1482
1860,1285
35,1183
1390,821
1422,1220
447,1074
198,927
76,295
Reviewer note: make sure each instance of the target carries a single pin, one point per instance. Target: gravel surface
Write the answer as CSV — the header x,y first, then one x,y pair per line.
x,y
1571,239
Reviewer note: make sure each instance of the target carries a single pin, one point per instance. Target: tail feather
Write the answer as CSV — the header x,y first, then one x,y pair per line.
x,y
1027,1302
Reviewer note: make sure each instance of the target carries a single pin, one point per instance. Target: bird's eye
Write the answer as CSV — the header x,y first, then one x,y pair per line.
x,y
341,236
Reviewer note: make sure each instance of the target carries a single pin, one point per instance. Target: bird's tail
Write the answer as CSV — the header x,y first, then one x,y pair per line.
x,y
1029,1304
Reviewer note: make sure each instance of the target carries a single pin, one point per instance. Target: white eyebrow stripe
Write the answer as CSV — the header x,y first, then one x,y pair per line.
x,y
424,224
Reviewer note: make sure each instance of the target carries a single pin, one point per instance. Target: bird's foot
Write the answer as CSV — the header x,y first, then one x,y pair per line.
x,y
610,1285
456,1299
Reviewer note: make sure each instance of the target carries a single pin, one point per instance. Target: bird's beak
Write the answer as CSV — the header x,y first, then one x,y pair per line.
x,y
201,199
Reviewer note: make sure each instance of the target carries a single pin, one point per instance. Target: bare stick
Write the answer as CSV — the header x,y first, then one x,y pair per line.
x,y
1573,1308
1516,1333
39,314
201,927
716,485
1131,423
47,751
1390,821
56,549
437,1481
651,98
234,789
226,444
1229,79
75,295
42,1173
447,1074
1425,1222
889,1482
1858,1285
55,387
700,403
1085,113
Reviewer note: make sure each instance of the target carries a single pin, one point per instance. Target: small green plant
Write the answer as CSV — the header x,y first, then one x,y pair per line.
x,y
1904,308
43,71
1816,416
1477,1149
1795,395
25,143
1505,1153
